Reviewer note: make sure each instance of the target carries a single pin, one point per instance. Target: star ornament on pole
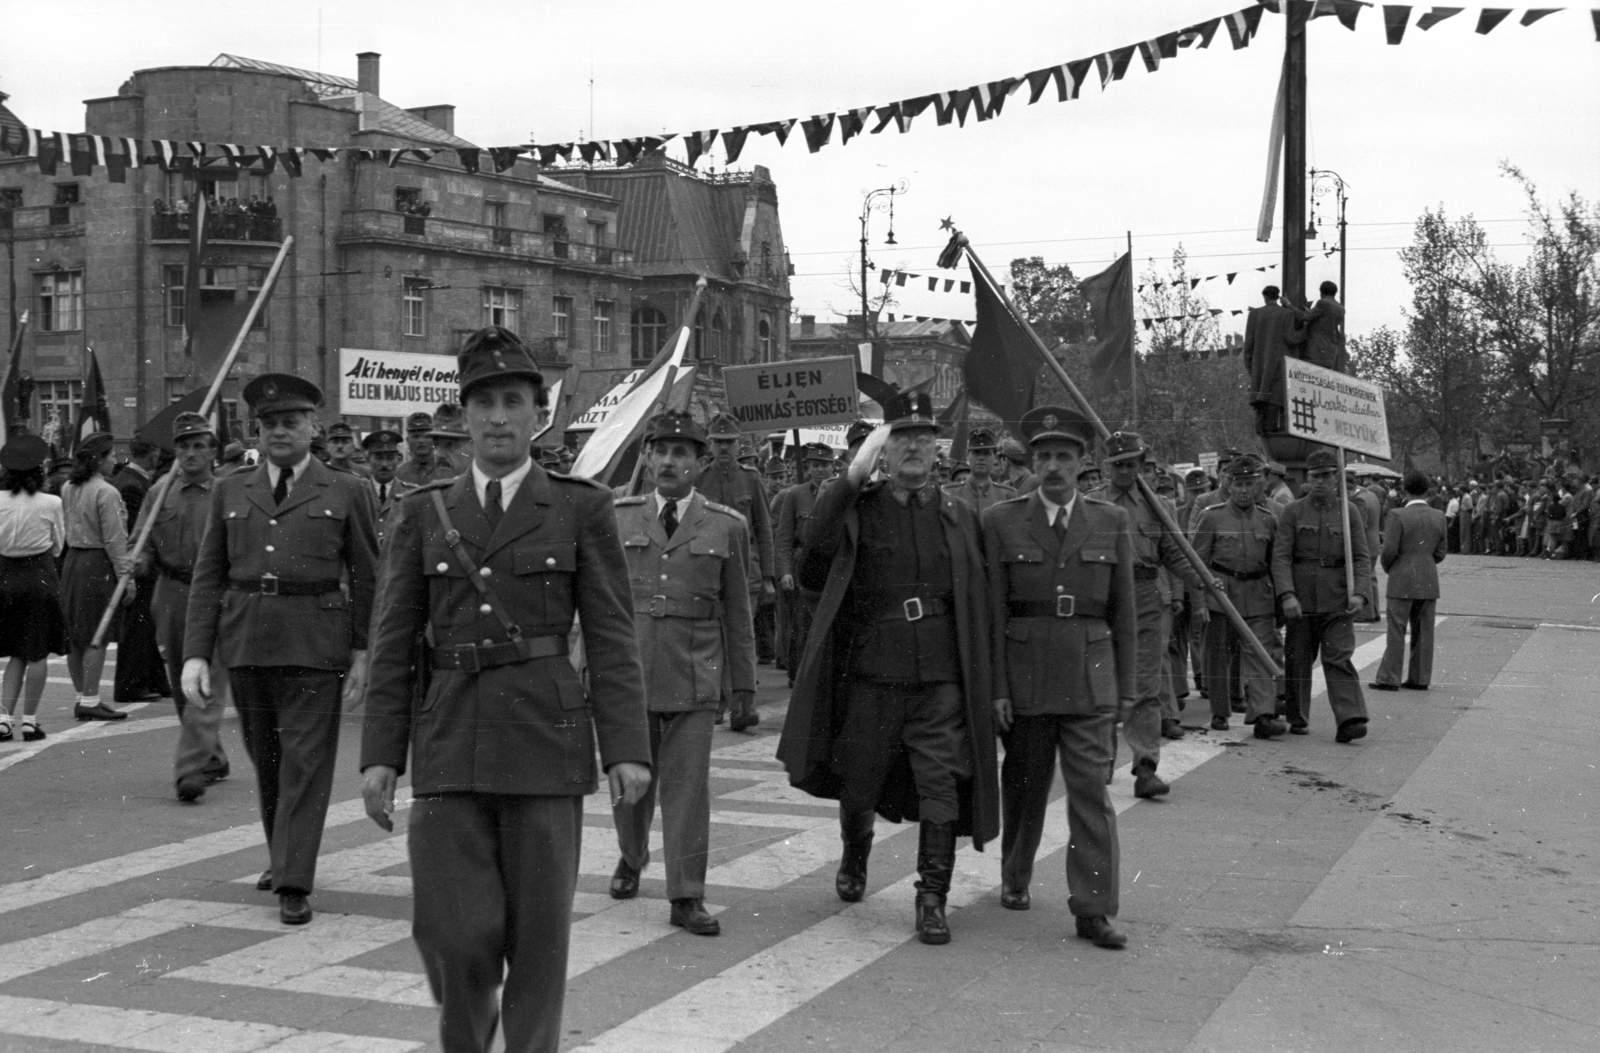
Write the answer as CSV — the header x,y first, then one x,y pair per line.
x,y
950,258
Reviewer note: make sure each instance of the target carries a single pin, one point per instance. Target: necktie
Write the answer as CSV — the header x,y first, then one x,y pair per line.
x,y
383,493
281,491
669,517
491,503
1061,524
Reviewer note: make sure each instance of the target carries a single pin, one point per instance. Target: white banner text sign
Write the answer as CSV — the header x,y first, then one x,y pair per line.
x,y
394,383
1334,409
782,395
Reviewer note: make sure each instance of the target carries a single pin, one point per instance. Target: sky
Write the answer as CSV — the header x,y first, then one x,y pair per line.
x,y
1175,157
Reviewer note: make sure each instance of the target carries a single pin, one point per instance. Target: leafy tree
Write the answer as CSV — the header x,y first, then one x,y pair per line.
x,y
1049,299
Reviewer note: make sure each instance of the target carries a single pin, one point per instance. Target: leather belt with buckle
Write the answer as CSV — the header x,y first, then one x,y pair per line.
x,y
667,607
272,585
1238,575
1063,606
472,658
913,609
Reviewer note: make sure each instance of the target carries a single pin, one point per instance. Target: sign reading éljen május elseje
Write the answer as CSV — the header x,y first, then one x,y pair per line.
x,y
1335,409
394,383
787,395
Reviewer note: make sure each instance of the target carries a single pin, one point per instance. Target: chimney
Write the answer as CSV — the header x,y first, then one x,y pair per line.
x,y
367,72
442,117
808,325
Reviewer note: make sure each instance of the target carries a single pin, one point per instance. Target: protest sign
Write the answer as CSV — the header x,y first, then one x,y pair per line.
x,y
787,395
394,383
1335,409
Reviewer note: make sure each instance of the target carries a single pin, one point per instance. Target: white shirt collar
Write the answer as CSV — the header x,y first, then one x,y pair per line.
x,y
659,502
1416,501
508,483
298,470
1051,509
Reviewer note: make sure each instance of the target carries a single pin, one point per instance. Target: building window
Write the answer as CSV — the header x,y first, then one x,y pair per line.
x,y
67,194
501,306
699,347
10,200
176,290
766,259
60,301
717,330
603,342
649,331
58,402
494,214
764,337
555,232
413,308
561,317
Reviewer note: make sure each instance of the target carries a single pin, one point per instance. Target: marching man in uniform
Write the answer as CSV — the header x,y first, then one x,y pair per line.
x,y
688,560
978,490
383,453
421,466
502,737
1065,632
790,531
282,596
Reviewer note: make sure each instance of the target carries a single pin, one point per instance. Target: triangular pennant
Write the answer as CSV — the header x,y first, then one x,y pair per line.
x,y
781,129
900,278
949,283
1040,79
966,287
166,151
1194,283
269,158
1151,53
427,155
1076,72
1242,25
697,143
818,130
981,97
1102,63
933,284
324,154
733,143
393,157
886,275
1139,289
1240,311
999,92
81,151
852,123
547,153
885,114
1437,15
1120,59
910,108
468,156
1146,322
1490,17
1594,16
1215,311
1395,17
504,157
1199,33
196,149
1533,14
1231,276
587,151
1347,11
293,158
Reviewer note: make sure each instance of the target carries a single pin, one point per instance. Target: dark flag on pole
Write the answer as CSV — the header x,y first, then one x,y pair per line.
x,y
1001,362
93,415
157,431
1110,296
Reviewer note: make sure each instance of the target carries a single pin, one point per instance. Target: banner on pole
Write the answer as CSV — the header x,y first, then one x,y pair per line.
x,y
394,383
1329,407
803,394
1209,461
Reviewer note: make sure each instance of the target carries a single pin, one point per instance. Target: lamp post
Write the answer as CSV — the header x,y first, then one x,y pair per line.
x,y
880,200
1322,180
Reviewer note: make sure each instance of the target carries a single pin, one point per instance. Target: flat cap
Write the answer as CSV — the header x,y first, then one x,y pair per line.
x,y
341,430
818,451
908,410
723,426
419,422
1245,466
1324,460
1124,445
980,439
187,424
674,425
493,353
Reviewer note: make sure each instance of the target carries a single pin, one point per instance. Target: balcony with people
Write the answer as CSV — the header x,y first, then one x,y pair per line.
x,y
227,219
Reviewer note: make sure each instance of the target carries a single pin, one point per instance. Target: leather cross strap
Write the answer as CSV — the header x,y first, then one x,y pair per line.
x,y
452,537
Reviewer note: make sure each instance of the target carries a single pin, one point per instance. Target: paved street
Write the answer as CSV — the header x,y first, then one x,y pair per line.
x,y
1432,887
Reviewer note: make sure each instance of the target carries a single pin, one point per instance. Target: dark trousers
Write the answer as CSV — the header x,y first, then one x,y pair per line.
x,y
200,749
139,666
1335,636
764,622
802,607
1083,745
927,721
290,719
1141,724
680,762
494,876
1178,652
1416,616
1233,670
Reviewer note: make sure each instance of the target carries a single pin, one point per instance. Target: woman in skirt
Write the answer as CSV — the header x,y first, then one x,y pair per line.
x,y
97,554
32,534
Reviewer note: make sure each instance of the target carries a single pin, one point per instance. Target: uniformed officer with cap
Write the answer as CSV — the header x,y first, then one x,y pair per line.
x,y
1213,496
1276,489
452,445
891,710
979,491
341,445
1011,467
791,526
1235,539
1065,638
173,548
486,573
421,466
282,596
1308,574
687,563
1153,550
1089,480
383,453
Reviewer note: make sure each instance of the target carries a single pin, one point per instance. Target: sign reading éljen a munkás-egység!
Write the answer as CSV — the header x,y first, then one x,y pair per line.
x,y
785,395
1335,409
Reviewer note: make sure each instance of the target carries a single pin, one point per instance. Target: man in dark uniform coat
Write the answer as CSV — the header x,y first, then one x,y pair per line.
x,y
141,675
1270,336
421,466
341,447
727,482
383,452
1308,574
452,445
790,530
978,490
282,596
502,740
1065,636
891,706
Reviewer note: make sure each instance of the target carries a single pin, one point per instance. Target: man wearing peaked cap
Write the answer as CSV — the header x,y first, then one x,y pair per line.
x,y
1011,467
687,559
452,446
483,577
421,466
383,455
1064,638
281,595
341,445
898,663
978,490
791,528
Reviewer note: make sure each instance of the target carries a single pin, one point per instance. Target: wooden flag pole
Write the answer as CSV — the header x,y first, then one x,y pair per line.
x,y
158,494
1344,517
1133,342
1169,524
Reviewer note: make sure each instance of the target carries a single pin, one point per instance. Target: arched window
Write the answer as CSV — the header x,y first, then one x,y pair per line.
x,y
764,338
649,331
718,346
700,333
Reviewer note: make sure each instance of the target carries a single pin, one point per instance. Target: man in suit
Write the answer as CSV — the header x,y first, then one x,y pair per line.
x,y
1269,337
687,563
383,454
141,674
282,596
1324,330
890,711
502,737
979,490
790,530
1413,546
1064,635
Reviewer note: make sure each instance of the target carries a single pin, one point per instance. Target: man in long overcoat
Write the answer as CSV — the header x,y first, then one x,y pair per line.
x,y
1269,332
891,709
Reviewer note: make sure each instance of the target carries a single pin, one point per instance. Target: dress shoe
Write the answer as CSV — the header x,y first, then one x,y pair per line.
x,y
690,915
293,908
1015,898
98,711
1171,729
264,882
1350,730
1378,685
32,732
625,879
5,730
1409,686
1299,729
1268,727
191,788
1098,930
150,696
743,719
1236,705
1146,783
216,776
1219,723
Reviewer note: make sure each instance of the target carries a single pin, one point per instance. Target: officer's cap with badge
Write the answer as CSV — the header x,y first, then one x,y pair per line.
x,y
419,423
340,430
675,425
1196,480
449,422
494,353
281,393
723,426
186,425
1274,468
1322,462
382,441
1124,446
910,410
857,431
1245,468
1056,422
982,440
818,451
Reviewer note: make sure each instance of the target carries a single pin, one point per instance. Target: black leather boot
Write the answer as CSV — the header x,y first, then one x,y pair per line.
x,y
856,831
936,861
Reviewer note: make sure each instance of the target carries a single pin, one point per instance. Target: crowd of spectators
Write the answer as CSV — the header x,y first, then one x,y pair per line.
x,y
229,219
1555,517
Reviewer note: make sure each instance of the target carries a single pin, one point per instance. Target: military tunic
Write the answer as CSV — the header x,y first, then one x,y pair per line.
x,y
791,522
740,489
1237,545
980,499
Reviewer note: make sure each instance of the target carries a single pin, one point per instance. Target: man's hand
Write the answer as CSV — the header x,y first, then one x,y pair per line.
x,y
629,781
767,589
377,792
1291,607
355,681
1202,614
867,457
197,681
786,583
1356,604
1002,714
130,591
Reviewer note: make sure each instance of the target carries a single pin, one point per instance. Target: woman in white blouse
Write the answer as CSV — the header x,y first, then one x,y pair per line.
x,y
97,554
32,534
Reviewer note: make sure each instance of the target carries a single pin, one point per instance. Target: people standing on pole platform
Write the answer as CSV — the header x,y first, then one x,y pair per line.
x,y
1270,336
482,579
282,597
688,559
33,533
891,712
97,554
1064,635
1308,572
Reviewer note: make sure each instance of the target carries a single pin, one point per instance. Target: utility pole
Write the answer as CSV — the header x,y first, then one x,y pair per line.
x,y
1294,164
